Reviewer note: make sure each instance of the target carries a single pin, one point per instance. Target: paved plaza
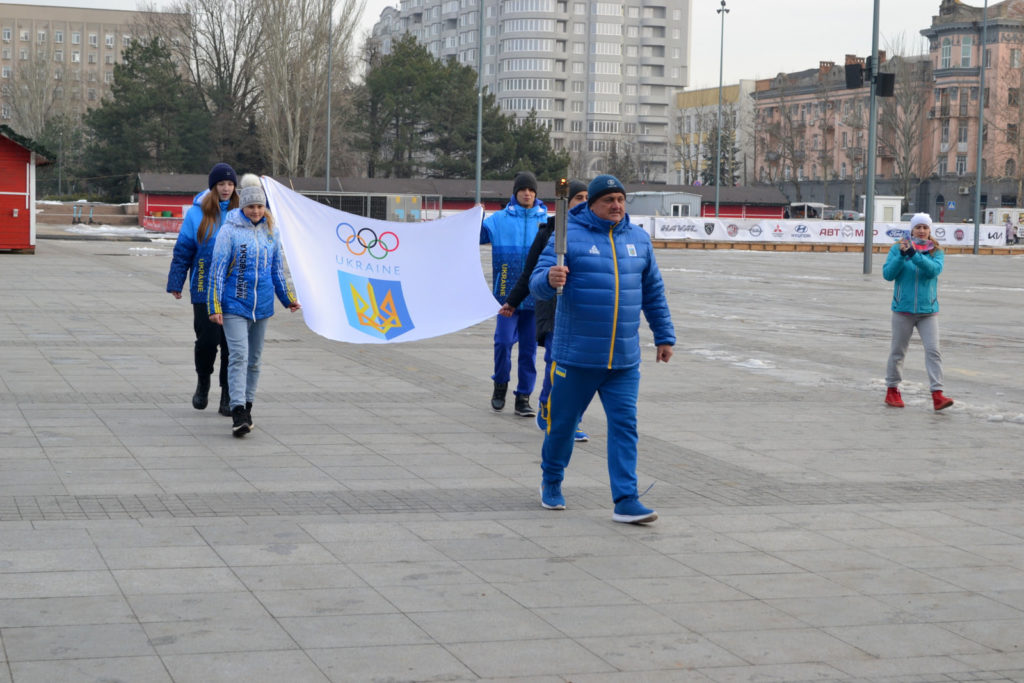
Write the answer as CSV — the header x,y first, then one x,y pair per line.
x,y
382,524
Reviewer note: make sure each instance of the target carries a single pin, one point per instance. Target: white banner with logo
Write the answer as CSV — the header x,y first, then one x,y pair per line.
x,y
366,281
812,232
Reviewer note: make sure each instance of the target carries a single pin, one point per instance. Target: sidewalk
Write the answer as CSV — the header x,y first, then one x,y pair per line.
x,y
381,523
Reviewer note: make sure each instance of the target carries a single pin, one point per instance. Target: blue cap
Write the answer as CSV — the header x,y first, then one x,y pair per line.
x,y
221,172
603,184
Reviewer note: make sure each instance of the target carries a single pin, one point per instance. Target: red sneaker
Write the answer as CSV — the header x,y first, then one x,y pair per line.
x,y
893,398
940,402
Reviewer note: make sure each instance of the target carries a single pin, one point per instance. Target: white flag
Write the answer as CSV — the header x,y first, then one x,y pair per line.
x,y
366,281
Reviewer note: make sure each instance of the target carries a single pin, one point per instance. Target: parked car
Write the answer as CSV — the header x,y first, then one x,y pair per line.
x,y
843,215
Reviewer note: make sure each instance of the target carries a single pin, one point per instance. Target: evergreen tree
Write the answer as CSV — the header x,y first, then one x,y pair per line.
x,y
152,121
622,166
729,166
533,150
415,115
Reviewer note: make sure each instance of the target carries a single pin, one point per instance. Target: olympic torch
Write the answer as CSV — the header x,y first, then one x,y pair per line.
x,y
561,217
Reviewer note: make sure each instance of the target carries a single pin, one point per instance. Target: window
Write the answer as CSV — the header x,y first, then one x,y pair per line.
x,y
58,55
76,38
961,133
680,209
94,39
23,54
945,55
6,34
1011,133
5,111
58,37
126,41
943,167
5,72
91,96
961,164
23,34
966,44
6,53
988,58
1011,168
1012,96
109,59
945,131
76,56
1015,58
41,37
109,40
576,126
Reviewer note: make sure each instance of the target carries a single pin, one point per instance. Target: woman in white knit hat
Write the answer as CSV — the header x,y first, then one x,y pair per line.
x,y
913,266
247,269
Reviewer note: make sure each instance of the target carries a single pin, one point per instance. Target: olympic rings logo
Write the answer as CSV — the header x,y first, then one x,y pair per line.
x,y
366,241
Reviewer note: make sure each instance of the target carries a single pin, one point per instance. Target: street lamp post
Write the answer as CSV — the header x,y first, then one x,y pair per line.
x,y
981,126
869,189
718,147
330,52
479,99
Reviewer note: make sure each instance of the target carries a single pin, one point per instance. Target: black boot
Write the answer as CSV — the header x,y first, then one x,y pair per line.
x,y
201,397
498,397
523,407
239,425
248,414
225,403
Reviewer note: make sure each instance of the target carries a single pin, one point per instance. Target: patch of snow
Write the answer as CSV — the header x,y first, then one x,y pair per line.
x,y
83,229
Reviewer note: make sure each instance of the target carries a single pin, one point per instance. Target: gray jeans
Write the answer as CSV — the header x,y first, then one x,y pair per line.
x,y
903,325
245,347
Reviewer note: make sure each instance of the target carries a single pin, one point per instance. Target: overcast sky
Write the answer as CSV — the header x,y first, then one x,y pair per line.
x,y
762,37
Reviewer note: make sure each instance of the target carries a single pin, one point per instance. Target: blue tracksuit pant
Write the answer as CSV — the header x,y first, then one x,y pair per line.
x,y
572,389
520,328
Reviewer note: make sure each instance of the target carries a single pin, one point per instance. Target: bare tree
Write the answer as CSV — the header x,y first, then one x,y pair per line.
x,y
902,120
783,137
293,74
32,95
219,44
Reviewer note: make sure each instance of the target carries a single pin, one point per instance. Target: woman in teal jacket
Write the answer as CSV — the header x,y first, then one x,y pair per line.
x,y
192,252
914,265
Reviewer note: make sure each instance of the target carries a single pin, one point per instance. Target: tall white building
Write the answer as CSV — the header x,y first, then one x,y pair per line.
x,y
602,75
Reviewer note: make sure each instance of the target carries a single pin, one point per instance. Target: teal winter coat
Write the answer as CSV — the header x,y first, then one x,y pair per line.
x,y
915,278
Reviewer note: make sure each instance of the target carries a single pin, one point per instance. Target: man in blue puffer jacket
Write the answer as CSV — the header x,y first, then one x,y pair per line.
x,y
610,275
510,232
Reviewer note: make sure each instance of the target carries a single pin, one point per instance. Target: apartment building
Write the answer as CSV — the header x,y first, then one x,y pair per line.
x,y
57,59
602,75
695,126
809,129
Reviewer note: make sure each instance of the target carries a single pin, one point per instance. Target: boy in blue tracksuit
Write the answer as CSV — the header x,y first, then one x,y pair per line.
x,y
247,270
610,275
191,257
510,232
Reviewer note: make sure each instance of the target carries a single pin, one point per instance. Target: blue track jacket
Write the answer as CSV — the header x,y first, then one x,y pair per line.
x,y
916,288
192,257
247,270
613,276
511,232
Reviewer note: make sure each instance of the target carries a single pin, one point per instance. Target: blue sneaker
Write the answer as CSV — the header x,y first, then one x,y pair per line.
x,y
581,436
632,511
551,496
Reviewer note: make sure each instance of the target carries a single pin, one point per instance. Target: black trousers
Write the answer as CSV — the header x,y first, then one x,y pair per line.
x,y
209,336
